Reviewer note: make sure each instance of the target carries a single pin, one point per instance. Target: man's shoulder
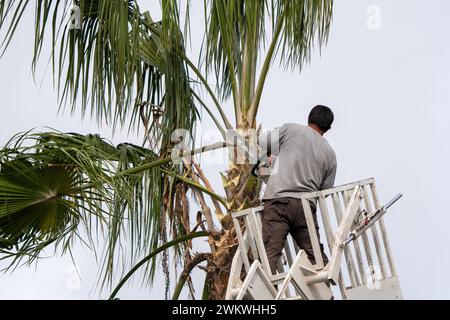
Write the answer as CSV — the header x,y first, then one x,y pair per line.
x,y
288,126
294,125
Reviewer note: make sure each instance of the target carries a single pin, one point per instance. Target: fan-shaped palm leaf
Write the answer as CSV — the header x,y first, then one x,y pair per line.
x,y
51,182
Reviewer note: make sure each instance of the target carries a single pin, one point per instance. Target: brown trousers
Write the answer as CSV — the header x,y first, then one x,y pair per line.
x,y
280,217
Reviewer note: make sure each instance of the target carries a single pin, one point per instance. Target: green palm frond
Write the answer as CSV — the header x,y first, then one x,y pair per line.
x,y
232,27
113,64
52,185
38,203
50,182
236,34
45,194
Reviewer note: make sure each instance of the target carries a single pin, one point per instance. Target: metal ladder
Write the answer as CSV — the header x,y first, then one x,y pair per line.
x,y
361,262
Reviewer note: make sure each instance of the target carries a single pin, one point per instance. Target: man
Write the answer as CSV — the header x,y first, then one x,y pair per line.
x,y
305,162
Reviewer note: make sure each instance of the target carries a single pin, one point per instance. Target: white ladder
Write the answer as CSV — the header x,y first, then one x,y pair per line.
x,y
363,267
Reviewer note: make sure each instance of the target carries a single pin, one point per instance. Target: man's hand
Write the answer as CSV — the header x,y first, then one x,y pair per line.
x,y
271,160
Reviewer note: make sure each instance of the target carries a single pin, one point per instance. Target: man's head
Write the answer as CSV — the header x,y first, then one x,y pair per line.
x,y
320,119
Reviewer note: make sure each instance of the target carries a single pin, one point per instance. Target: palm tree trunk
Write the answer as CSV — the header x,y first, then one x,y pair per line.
x,y
242,191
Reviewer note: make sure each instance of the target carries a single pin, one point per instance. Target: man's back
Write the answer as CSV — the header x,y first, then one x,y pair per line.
x,y
305,162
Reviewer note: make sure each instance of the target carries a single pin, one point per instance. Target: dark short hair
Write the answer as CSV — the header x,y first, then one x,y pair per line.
x,y
321,116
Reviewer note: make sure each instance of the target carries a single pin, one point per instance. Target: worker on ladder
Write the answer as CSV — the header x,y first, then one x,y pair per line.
x,y
305,162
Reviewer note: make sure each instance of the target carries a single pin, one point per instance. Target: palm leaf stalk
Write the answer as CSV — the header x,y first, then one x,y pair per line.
x,y
199,258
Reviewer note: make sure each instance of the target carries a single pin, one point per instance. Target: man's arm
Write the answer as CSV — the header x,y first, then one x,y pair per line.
x,y
330,176
270,141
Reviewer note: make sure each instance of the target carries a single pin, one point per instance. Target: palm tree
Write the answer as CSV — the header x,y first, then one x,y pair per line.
x,y
128,70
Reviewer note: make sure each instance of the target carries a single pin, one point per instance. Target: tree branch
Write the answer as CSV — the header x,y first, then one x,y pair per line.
x,y
196,185
199,258
199,75
222,130
160,162
201,199
265,69
208,186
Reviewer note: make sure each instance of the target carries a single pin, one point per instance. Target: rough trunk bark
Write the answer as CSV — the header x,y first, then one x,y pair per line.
x,y
242,191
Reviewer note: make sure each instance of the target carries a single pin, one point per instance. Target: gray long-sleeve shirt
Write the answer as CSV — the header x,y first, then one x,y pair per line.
x,y
305,161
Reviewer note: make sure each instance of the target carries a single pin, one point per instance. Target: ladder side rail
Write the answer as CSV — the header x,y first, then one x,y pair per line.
x,y
258,216
257,284
288,253
235,275
242,244
257,237
341,188
351,267
312,233
296,248
366,244
374,233
342,232
287,250
330,238
387,246
356,247
290,260
287,293
251,236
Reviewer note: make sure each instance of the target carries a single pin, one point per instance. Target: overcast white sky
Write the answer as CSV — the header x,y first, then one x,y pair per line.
x,y
389,89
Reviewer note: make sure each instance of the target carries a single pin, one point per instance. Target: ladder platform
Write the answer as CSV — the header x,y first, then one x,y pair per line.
x,y
360,264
